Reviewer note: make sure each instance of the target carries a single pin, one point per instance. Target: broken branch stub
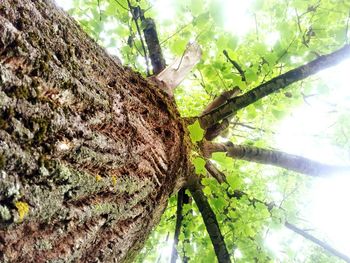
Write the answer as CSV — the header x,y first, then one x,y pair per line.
x,y
176,72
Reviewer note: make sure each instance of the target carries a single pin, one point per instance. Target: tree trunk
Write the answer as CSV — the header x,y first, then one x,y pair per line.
x,y
89,150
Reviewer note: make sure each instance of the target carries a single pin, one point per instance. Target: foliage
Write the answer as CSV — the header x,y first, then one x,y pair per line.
x,y
280,35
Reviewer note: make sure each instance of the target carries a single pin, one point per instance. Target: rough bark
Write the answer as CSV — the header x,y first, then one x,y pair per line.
x,y
284,160
236,103
89,150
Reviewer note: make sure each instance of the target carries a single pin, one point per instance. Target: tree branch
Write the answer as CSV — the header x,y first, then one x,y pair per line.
x,y
215,172
135,13
213,131
221,99
210,221
236,103
152,41
277,158
239,194
313,239
235,65
179,217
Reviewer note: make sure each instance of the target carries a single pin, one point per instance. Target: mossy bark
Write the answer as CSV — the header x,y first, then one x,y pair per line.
x,y
89,150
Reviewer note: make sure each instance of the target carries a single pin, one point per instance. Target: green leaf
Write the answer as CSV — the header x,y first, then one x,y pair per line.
x,y
201,20
219,203
207,191
251,75
216,13
232,42
196,132
278,114
234,181
196,7
225,162
199,165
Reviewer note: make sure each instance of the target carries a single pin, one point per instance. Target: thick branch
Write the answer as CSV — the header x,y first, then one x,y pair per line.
x,y
273,85
288,161
313,239
214,131
179,217
210,222
221,99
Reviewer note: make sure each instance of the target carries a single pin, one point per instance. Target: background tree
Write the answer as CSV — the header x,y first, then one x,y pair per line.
x,y
90,151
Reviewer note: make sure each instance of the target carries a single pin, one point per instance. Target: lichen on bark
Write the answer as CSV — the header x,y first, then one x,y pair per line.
x,y
89,150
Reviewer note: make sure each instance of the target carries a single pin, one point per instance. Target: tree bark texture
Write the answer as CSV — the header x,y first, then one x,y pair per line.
x,y
89,150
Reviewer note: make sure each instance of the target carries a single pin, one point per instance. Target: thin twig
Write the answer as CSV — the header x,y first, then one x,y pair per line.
x,y
221,79
121,5
235,64
256,27
178,31
252,127
99,9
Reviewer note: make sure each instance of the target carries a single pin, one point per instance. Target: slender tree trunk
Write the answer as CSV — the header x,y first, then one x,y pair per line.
x,y
89,151
210,221
179,217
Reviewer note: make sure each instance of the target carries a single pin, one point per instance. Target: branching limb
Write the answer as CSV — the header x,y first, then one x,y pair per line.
x,y
179,217
277,158
210,221
236,103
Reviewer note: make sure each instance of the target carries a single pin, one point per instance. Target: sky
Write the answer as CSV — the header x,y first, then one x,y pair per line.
x,y
301,133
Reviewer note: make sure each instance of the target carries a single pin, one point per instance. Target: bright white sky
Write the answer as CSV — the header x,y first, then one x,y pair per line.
x,y
65,4
328,210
